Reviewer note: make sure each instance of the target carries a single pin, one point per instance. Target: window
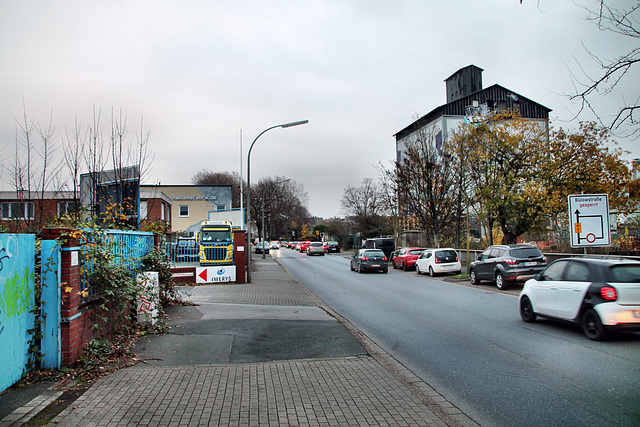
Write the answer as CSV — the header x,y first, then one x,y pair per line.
x,y
17,210
144,210
577,272
184,210
554,271
221,207
66,207
162,211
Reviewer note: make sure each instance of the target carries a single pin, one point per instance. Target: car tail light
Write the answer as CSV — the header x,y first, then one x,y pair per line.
x,y
510,261
435,260
609,293
457,258
384,258
365,258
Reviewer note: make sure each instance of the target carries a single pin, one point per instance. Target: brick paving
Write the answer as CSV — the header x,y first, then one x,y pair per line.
x,y
370,390
354,391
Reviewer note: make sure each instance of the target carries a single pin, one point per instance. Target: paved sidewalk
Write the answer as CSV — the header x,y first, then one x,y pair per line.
x,y
366,388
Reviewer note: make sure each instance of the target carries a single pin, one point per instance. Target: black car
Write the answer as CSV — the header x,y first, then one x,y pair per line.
x,y
507,264
332,247
262,247
369,260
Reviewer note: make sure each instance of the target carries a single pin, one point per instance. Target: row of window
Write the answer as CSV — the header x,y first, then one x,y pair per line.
x,y
26,210
183,210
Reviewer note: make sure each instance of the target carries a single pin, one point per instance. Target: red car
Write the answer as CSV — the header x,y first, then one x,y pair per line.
x,y
406,258
304,245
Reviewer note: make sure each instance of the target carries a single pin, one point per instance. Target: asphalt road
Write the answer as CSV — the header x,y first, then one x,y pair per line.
x,y
469,343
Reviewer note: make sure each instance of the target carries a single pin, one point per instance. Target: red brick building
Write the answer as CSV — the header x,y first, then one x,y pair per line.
x,y
21,212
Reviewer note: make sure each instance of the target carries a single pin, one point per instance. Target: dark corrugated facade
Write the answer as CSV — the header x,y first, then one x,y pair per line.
x,y
496,97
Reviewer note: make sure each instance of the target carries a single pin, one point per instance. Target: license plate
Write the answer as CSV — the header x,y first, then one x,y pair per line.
x,y
530,263
375,265
636,314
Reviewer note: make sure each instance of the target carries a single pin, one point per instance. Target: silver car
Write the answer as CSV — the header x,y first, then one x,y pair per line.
x,y
315,248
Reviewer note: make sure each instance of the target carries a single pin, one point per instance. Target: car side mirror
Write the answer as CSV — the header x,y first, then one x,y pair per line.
x,y
538,277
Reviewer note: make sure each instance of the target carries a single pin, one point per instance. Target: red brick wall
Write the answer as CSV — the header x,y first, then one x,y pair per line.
x,y
240,257
154,212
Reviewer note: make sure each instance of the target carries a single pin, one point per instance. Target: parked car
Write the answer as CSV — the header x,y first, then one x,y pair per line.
x,y
600,295
507,264
405,258
439,261
369,260
186,250
262,247
315,248
332,247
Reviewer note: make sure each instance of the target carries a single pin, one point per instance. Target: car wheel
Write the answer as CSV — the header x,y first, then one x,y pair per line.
x,y
418,272
385,271
474,278
359,269
431,272
592,325
395,267
526,310
500,283
404,267
351,266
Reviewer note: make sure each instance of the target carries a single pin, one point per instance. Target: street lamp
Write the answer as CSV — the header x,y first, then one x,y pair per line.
x,y
286,125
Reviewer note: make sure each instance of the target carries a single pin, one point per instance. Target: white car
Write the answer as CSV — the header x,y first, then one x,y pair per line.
x,y
275,244
439,261
601,295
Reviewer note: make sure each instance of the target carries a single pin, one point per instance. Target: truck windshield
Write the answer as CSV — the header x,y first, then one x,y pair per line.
x,y
216,236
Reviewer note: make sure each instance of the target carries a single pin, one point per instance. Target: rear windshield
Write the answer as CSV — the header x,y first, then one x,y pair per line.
x,y
416,251
625,274
446,255
526,253
315,244
373,253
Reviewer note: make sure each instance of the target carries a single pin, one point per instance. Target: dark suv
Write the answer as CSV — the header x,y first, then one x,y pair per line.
x,y
506,264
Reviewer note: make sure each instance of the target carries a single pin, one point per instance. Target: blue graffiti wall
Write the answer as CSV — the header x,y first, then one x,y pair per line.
x,y
17,267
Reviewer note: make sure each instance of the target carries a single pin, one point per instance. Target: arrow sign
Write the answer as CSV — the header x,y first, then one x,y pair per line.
x,y
589,220
213,274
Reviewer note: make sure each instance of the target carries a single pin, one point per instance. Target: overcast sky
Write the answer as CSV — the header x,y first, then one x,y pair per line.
x,y
209,75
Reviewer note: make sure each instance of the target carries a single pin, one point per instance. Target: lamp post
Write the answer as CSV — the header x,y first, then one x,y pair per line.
x,y
286,125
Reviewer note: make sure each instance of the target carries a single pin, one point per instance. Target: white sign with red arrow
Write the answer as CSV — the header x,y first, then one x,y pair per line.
x,y
218,274
589,220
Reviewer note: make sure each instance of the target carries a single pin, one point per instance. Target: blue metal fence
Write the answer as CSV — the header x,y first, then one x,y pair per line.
x,y
125,248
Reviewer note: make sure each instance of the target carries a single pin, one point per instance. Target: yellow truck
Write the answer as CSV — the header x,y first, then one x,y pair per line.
x,y
215,243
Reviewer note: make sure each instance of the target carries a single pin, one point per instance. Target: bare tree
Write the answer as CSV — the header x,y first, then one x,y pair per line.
x,y
365,206
32,173
282,203
425,181
625,22
73,151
